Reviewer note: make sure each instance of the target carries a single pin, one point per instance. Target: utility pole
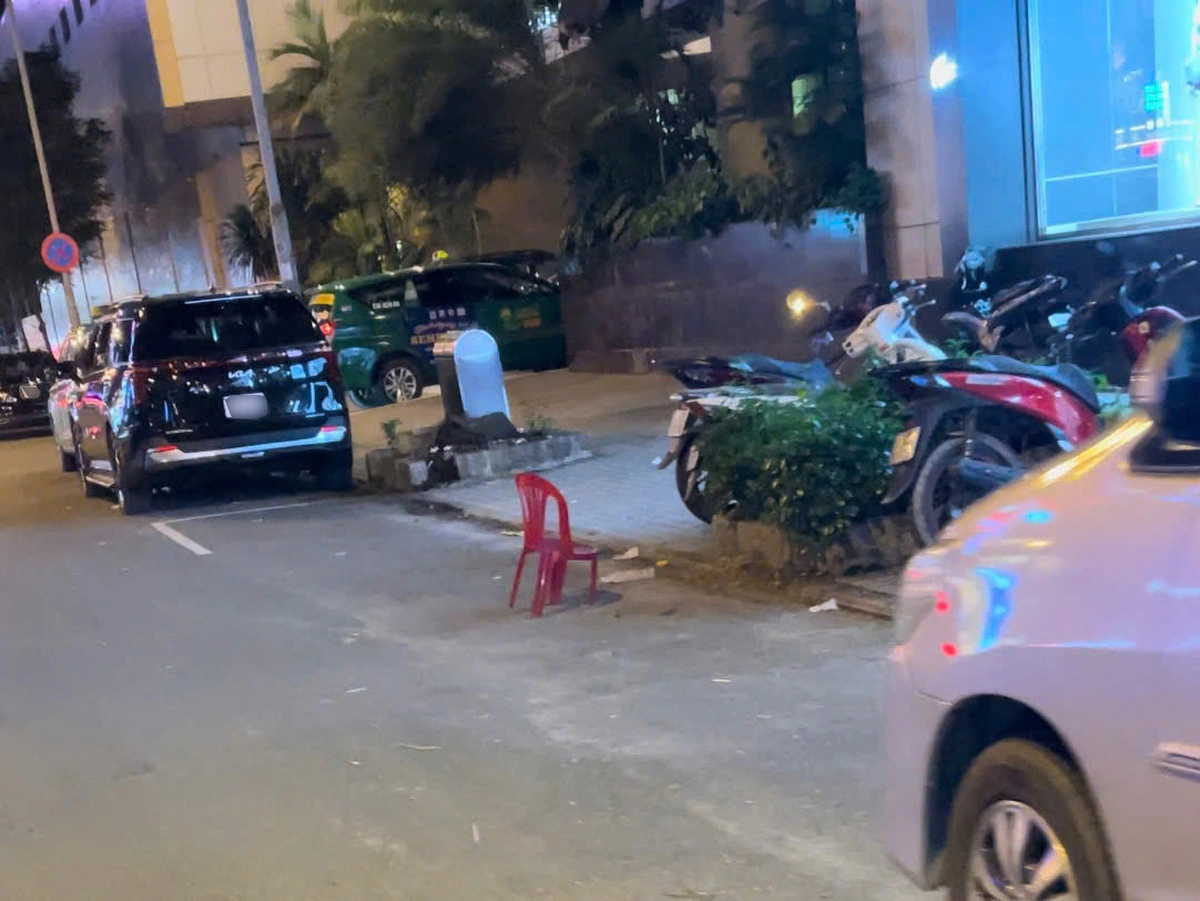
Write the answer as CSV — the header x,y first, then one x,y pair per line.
x,y
266,149
51,208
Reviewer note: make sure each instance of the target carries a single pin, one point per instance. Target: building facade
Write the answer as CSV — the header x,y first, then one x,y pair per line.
x,y
1043,127
169,78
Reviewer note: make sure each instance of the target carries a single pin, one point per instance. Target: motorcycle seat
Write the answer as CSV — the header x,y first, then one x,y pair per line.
x,y
1065,375
814,372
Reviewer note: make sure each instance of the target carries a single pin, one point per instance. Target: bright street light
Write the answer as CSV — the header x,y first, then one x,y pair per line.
x,y
943,72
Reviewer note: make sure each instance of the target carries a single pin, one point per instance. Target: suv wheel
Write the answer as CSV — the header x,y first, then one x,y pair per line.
x,y
133,501
398,381
1023,826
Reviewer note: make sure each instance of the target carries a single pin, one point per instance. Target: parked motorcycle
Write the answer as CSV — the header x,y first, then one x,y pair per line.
x,y
976,424
1123,315
714,382
886,327
1016,319
889,331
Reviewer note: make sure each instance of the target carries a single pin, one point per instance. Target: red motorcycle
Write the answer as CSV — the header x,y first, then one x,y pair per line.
x,y
974,425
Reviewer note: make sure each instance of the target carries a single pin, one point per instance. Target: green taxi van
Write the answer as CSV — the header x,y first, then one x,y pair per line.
x,y
383,327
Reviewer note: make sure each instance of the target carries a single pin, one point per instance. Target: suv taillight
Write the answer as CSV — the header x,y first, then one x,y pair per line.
x,y
328,328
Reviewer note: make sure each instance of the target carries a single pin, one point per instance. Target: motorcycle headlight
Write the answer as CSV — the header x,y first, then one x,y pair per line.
x,y
904,448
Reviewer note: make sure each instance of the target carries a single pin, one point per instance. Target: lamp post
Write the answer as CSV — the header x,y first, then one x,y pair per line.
x,y
51,208
266,148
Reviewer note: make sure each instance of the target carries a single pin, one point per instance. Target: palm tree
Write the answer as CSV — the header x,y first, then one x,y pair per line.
x,y
247,244
305,89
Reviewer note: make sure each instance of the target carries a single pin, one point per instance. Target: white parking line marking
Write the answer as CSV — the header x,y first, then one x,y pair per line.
x,y
244,512
180,539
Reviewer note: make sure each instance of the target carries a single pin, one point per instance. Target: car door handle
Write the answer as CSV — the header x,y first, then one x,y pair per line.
x,y
1178,760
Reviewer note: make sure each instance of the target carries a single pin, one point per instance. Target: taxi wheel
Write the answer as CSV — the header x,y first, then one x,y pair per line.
x,y
398,381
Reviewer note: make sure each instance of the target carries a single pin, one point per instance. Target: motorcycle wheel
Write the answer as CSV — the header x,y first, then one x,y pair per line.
x,y
939,496
690,479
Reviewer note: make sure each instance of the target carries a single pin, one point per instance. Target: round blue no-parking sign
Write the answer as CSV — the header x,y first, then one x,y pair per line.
x,y
60,252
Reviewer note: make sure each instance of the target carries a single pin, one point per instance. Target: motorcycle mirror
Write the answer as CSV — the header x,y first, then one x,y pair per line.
x,y
1166,383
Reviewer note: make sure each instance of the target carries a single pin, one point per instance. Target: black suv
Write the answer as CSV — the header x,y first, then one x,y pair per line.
x,y
240,378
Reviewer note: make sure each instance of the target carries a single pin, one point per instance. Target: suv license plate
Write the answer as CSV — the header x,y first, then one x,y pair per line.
x,y
246,406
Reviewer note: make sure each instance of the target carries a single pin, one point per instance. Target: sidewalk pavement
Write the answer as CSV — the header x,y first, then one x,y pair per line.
x,y
617,498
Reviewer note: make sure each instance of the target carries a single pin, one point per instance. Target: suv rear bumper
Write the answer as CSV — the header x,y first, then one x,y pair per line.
x,y
246,450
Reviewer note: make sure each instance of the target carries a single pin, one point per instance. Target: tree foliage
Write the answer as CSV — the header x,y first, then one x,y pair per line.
x,y
75,154
312,204
304,90
432,93
627,117
807,87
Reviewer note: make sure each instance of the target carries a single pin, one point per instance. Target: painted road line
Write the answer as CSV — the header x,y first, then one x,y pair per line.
x,y
180,539
241,512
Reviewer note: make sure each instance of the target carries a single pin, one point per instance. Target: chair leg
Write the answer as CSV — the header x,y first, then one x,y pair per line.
x,y
539,594
558,576
595,579
512,598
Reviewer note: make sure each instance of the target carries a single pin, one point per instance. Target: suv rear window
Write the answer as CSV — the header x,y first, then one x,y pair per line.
x,y
222,326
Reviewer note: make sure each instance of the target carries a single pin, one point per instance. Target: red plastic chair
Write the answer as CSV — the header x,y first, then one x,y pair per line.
x,y
554,551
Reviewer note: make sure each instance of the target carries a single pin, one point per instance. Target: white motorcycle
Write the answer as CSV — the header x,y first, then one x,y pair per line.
x,y
890,333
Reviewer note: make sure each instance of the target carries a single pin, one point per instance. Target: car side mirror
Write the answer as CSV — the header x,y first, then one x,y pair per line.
x,y
1166,383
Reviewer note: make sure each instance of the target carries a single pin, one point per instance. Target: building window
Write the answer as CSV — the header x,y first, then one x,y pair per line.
x,y
65,24
52,37
1114,112
78,11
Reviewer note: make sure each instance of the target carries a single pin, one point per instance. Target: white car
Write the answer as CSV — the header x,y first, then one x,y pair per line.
x,y
1043,702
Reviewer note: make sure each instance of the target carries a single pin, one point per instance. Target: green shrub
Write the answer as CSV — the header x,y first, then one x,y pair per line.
x,y
696,203
814,468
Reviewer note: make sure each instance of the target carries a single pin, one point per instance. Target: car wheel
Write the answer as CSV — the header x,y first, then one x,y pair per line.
x,y
133,500
398,382
1023,826
70,463
938,496
364,400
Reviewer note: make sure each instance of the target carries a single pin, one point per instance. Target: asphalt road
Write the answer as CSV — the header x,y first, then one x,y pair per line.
x,y
329,698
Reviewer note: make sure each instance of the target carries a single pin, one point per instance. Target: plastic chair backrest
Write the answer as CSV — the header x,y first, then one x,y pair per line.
x,y
535,494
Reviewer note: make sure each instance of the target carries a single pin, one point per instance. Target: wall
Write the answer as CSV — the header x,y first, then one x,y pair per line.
x,y
955,159
720,295
199,45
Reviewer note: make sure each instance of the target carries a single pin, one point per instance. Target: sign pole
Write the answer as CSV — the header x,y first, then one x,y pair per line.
x,y
68,289
266,148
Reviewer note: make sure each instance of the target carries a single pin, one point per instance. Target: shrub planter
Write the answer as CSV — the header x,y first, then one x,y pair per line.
x,y
411,463
531,454
881,543
390,472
